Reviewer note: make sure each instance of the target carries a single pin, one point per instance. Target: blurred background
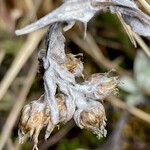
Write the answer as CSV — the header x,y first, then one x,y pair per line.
x,y
106,47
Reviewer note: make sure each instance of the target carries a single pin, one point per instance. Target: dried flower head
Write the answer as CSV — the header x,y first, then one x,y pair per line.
x,y
74,65
104,85
36,115
99,86
92,118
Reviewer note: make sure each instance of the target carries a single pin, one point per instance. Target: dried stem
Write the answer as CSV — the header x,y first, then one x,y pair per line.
x,y
127,29
133,110
133,36
32,7
23,55
142,44
8,126
10,145
58,136
146,5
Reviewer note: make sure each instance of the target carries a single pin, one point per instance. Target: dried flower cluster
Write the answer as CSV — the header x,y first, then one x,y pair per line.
x,y
64,98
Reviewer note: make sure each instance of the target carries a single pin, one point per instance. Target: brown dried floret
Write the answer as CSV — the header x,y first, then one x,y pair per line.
x,y
93,119
104,84
35,116
74,65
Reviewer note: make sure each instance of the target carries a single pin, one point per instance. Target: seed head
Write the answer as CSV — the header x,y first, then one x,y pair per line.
x,y
74,65
93,119
103,85
35,116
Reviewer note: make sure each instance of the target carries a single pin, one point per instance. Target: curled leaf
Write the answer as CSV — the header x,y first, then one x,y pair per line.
x,y
83,10
132,15
70,10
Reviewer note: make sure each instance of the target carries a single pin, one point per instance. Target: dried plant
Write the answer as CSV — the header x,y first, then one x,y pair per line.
x,y
64,98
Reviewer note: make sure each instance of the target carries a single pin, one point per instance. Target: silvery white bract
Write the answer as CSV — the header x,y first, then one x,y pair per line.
x,y
83,10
